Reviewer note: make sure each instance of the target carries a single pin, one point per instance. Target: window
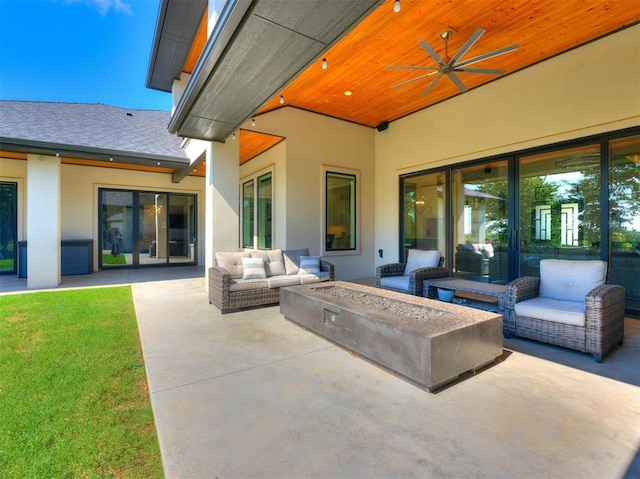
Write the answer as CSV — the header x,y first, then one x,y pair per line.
x,y
256,210
340,211
8,227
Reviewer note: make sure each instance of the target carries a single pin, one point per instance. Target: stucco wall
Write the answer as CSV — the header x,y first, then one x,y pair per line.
x,y
311,142
590,90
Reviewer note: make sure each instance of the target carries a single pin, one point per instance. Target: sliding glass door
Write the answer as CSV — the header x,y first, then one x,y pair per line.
x,y
480,222
559,198
497,219
624,217
147,228
423,218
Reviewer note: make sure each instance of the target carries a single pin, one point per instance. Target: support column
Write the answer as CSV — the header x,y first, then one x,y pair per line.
x,y
43,221
222,224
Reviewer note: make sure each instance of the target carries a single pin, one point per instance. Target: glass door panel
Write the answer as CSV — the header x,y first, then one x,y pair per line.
x,y
247,214
8,227
624,218
181,229
480,222
152,228
424,217
559,207
117,228
264,211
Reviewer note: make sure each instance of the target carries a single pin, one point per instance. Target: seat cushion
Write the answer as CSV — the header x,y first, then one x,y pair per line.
x,y
555,310
232,262
420,258
283,280
397,283
253,268
292,259
247,284
313,278
273,261
570,280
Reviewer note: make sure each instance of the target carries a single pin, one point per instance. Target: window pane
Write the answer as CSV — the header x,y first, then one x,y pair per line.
x,y
624,217
264,211
340,211
181,229
559,207
424,213
152,223
247,214
480,222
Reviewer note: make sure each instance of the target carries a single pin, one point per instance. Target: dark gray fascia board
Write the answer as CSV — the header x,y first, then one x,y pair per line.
x,y
176,28
230,19
84,153
252,54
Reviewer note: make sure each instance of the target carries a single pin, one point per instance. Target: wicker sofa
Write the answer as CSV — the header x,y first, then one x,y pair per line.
x,y
569,305
253,278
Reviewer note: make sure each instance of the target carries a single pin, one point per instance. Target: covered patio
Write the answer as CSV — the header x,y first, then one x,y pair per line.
x,y
253,395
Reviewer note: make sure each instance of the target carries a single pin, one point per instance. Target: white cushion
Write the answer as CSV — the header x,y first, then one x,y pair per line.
x,y
283,280
397,283
313,278
549,309
420,258
309,265
232,262
570,280
273,261
253,268
292,259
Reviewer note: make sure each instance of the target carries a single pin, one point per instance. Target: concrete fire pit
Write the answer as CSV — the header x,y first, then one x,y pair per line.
x,y
429,343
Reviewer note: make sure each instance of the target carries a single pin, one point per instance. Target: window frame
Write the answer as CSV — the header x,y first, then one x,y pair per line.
x,y
354,219
255,179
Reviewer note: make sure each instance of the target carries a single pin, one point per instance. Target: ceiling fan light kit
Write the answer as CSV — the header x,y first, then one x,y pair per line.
x,y
450,66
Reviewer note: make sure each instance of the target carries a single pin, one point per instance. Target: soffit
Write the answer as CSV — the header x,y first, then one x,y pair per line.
x,y
357,63
256,49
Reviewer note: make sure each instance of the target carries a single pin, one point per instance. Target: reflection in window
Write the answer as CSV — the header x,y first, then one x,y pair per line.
x,y
624,217
340,215
559,207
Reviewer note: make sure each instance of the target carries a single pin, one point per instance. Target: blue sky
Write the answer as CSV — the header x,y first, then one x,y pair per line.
x,y
85,51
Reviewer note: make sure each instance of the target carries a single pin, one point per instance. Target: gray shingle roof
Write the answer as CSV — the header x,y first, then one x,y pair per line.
x,y
91,126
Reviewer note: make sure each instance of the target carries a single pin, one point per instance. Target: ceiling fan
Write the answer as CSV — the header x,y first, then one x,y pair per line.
x,y
450,66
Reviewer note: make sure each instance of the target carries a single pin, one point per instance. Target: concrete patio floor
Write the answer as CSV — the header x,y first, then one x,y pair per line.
x,y
251,395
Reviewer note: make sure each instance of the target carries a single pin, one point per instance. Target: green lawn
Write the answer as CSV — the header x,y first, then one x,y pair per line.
x,y
73,394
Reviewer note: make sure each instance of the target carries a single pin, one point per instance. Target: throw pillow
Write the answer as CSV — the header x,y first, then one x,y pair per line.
x,y
253,268
309,265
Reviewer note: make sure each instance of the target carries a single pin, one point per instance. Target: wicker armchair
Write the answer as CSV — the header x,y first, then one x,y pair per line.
x,y
601,310
392,276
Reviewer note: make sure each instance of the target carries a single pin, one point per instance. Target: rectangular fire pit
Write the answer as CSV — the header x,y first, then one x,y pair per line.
x,y
427,342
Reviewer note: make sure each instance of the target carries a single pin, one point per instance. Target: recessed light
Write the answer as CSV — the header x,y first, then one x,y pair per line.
x,y
348,93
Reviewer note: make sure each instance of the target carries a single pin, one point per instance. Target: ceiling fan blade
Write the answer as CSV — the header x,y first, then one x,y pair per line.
x,y
495,53
432,52
468,44
428,89
480,70
452,76
413,79
407,67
